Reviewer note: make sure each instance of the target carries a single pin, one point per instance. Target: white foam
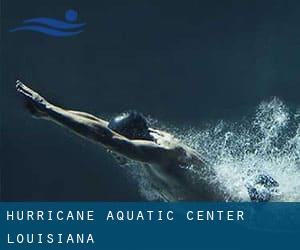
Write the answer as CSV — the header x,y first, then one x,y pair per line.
x,y
268,142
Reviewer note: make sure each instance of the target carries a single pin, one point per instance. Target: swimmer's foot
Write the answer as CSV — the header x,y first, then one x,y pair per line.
x,y
34,103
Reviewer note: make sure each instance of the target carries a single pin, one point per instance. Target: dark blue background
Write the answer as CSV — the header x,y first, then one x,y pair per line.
x,y
266,226
182,62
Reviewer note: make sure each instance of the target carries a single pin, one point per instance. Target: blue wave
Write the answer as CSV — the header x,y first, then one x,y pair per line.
x,y
47,31
53,23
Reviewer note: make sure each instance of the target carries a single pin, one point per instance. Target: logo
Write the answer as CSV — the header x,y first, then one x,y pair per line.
x,y
53,27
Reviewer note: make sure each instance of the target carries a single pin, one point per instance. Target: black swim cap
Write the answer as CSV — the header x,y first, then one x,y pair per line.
x,y
132,125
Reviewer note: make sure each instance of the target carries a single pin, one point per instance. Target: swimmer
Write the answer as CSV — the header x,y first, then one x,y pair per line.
x,y
129,136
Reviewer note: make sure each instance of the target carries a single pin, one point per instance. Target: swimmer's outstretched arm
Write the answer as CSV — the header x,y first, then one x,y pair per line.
x,y
95,129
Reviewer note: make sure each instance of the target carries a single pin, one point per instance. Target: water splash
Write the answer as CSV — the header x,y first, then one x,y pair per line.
x,y
267,142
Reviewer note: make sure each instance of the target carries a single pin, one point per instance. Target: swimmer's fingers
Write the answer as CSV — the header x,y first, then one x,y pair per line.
x,y
28,93
23,89
35,103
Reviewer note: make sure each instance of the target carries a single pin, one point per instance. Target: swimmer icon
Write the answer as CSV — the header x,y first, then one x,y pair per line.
x,y
53,27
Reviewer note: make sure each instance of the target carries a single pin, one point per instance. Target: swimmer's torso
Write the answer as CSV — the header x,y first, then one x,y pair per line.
x,y
180,183
177,179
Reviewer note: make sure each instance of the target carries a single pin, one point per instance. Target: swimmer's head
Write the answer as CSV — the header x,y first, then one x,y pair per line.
x,y
132,125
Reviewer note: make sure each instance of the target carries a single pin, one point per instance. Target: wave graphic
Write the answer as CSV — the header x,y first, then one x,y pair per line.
x,y
53,27
53,23
268,141
48,31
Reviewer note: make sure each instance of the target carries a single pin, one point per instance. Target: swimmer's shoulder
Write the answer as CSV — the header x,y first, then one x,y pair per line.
x,y
185,155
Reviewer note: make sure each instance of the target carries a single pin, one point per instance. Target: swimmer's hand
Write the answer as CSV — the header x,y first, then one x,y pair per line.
x,y
35,103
